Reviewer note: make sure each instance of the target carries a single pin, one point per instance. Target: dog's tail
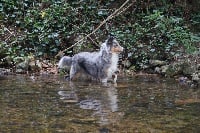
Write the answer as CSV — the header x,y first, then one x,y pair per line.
x,y
65,62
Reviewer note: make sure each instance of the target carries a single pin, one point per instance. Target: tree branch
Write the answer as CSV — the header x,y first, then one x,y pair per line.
x,y
117,12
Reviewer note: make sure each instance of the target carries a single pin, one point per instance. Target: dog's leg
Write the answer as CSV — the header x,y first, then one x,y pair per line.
x,y
104,80
103,75
73,71
114,78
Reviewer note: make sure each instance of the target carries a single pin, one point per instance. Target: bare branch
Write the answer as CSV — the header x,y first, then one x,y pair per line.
x,y
117,12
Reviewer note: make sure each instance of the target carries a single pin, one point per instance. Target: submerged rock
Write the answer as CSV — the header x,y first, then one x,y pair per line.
x,y
68,96
90,104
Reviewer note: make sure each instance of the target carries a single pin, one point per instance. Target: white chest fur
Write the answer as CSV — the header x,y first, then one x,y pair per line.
x,y
114,64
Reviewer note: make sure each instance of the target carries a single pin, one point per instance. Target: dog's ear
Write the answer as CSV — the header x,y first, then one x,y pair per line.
x,y
110,39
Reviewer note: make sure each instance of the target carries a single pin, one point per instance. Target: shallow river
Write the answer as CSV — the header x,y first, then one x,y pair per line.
x,y
49,104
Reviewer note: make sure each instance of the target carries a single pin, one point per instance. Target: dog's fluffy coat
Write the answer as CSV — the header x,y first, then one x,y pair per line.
x,y
100,65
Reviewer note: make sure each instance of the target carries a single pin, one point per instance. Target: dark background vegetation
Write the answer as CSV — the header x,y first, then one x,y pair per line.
x,y
148,29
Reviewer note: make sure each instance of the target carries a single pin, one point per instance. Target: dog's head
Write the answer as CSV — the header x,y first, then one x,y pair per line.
x,y
113,45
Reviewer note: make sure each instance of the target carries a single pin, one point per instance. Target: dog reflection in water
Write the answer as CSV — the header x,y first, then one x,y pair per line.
x,y
101,65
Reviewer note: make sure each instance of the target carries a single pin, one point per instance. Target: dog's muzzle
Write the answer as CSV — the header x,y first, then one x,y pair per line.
x,y
120,49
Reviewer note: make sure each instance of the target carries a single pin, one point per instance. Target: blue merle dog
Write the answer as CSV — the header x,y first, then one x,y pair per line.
x,y
101,65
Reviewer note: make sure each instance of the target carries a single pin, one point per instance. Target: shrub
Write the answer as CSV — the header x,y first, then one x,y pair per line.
x,y
156,36
43,28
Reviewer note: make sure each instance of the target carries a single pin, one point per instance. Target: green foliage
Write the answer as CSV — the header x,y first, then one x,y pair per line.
x,y
43,28
156,36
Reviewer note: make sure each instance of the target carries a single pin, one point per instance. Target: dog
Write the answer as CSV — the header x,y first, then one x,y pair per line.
x,y
101,65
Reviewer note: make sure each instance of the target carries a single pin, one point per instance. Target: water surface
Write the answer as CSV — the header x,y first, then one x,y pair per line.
x,y
133,105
